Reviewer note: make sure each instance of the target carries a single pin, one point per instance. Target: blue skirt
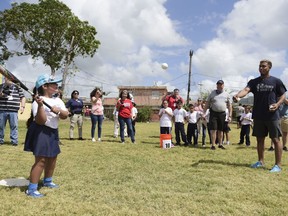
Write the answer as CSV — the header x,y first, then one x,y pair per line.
x,y
43,141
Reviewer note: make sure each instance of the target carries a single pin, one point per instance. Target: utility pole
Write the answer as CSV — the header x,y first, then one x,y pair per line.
x,y
200,90
189,77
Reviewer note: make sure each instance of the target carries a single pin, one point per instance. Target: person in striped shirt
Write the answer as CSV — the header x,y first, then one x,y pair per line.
x,y
11,100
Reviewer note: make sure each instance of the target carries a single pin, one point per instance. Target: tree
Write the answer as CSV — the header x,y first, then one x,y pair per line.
x,y
48,31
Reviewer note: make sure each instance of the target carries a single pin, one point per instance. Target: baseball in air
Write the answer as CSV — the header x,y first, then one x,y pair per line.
x,y
164,66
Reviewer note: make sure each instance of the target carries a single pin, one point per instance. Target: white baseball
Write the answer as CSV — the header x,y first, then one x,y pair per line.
x,y
164,66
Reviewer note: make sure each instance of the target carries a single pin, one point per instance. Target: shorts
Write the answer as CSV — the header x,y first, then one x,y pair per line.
x,y
217,120
284,125
262,128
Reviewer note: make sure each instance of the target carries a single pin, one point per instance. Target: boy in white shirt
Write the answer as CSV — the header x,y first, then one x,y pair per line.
x,y
193,118
246,122
179,118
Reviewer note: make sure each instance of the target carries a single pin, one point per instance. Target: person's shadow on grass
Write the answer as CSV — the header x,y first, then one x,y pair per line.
x,y
234,164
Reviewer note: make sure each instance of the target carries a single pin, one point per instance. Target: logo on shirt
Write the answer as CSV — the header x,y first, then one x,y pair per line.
x,y
261,87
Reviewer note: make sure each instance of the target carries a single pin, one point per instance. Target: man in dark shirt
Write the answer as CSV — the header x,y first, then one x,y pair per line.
x,y
269,94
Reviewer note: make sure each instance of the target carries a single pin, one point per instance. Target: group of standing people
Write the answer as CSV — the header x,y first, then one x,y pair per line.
x,y
198,118
125,113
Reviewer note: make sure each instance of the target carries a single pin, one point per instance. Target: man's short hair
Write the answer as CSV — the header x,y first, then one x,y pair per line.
x,y
267,61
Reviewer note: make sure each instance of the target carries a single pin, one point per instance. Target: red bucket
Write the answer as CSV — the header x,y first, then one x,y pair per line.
x,y
165,140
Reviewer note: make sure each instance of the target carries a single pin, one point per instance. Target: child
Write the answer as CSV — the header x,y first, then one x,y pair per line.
x,y
226,128
165,114
246,122
116,123
179,118
124,107
42,137
193,118
134,116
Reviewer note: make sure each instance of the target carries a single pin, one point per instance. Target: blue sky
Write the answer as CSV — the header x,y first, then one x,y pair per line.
x,y
228,38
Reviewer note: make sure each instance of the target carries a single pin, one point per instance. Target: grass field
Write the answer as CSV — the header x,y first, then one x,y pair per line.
x,y
109,178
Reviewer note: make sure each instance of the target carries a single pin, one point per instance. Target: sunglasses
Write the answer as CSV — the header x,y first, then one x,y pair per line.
x,y
76,93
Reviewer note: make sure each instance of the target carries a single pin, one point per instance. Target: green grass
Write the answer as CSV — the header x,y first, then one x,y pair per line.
x,y
109,178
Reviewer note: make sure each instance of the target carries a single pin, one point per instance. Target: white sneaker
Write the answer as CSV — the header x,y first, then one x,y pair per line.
x,y
99,139
93,139
227,143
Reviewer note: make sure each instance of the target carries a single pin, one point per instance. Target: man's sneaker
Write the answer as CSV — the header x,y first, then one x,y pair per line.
x,y
213,148
99,139
240,143
285,148
35,193
275,168
221,147
271,148
50,185
258,164
93,140
228,143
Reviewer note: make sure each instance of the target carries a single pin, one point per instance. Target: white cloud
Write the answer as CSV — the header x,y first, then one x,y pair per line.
x,y
130,32
134,35
251,31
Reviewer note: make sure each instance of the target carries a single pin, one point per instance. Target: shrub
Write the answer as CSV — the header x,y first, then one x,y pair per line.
x,y
144,114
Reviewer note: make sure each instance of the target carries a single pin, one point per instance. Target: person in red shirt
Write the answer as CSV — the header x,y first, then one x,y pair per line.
x,y
173,98
124,107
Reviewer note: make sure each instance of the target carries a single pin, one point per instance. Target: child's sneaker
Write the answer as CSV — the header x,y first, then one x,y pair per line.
x,y
50,185
34,193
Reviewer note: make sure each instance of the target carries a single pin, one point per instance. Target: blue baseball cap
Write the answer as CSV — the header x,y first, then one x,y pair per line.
x,y
45,79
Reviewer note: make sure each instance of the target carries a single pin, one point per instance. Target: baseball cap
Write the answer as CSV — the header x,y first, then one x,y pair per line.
x,y
220,82
45,79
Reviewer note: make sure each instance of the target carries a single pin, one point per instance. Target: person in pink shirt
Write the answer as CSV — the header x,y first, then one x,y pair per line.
x,y
96,113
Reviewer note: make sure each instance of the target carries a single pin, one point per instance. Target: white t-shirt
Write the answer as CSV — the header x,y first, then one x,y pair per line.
x,y
166,120
52,118
246,119
134,111
180,115
227,115
207,115
194,116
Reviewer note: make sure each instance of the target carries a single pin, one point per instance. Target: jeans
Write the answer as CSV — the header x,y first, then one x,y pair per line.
x,y
192,131
12,117
245,131
179,129
128,122
94,120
